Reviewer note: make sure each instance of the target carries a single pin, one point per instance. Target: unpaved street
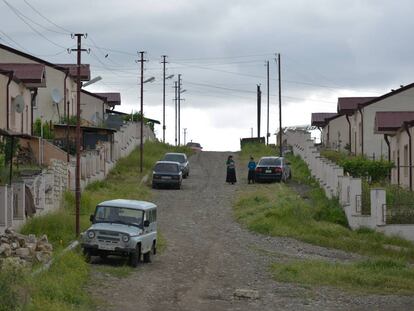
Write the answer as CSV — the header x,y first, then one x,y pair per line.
x,y
209,256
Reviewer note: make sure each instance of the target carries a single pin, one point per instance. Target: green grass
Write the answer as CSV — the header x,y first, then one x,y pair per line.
x,y
382,276
277,210
257,150
62,287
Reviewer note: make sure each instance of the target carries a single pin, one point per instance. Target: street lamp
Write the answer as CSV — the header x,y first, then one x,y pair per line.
x,y
92,81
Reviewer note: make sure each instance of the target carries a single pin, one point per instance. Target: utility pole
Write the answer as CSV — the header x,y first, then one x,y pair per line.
x,y
268,100
259,109
141,142
179,109
175,100
280,107
163,97
79,51
185,135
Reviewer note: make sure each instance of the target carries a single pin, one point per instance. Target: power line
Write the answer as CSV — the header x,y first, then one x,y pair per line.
x,y
15,11
47,19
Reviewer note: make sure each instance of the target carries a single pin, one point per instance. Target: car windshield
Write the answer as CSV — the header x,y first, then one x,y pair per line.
x,y
175,158
120,215
270,161
166,168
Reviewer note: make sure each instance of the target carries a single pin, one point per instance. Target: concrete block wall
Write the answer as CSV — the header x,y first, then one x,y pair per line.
x,y
346,189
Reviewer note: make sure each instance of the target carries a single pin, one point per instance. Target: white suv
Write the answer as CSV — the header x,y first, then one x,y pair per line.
x,y
122,228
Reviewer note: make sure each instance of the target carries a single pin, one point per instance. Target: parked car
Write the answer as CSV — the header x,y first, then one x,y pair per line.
x,y
122,228
167,173
180,158
273,169
195,146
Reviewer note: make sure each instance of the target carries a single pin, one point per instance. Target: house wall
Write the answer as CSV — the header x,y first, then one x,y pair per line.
x,y
18,122
399,144
374,144
54,79
338,133
44,151
92,109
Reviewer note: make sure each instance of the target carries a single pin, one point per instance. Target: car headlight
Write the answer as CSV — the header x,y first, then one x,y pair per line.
x,y
125,238
91,234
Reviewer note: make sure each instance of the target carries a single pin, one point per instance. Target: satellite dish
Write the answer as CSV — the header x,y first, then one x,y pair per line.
x,y
18,103
56,96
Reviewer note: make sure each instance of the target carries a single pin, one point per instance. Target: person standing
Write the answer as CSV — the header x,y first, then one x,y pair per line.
x,y
252,167
231,170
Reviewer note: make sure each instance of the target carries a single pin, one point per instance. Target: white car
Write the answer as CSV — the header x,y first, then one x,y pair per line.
x,y
123,228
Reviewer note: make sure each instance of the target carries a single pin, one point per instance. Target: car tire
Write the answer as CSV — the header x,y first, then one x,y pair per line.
x,y
103,256
154,186
87,255
147,256
154,247
178,187
135,257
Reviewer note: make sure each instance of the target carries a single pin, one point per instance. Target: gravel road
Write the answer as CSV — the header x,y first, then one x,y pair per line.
x,y
209,257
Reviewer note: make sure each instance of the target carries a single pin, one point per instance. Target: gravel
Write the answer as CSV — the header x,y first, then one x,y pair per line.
x,y
210,257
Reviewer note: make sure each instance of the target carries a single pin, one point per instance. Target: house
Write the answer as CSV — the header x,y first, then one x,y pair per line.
x,y
397,130
93,108
61,80
19,83
318,119
368,142
113,99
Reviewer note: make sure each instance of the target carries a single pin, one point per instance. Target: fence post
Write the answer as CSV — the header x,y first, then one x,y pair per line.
x,y
378,206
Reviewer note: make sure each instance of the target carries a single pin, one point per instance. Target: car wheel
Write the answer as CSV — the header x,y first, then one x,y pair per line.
x,y
135,256
87,255
154,247
147,257
103,256
154,186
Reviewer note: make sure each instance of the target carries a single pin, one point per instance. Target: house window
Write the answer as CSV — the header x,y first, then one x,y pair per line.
x,y
405,160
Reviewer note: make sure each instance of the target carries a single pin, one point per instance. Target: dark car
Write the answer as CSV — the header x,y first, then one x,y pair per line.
x,y
273,169
167,173
180,158
194,146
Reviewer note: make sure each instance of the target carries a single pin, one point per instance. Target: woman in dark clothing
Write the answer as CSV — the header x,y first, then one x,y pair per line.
x,y
231,170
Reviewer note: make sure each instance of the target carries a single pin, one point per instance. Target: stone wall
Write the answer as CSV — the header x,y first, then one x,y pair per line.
x,y
346,189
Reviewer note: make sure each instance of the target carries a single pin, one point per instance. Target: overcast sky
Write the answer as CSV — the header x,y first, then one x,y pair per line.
x,y
328,49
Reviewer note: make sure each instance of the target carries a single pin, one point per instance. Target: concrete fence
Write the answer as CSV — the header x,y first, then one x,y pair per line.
x,y
346,189
47,188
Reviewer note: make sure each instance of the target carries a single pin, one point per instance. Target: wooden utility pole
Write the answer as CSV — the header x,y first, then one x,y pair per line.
x,y
179,109
141,142
175,101
79,51
163,97
268,97
280,107
259,109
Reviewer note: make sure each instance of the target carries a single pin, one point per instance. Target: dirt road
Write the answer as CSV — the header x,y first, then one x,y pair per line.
x,y
209,256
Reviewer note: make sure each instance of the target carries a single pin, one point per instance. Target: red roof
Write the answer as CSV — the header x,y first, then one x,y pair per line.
x,y
387,122
112,98
347,105
319,118
85,70
29,74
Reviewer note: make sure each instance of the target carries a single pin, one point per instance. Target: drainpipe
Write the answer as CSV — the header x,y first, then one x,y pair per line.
x,y
10,73
349,133
389,153
32,103
362,130
407,129
67,116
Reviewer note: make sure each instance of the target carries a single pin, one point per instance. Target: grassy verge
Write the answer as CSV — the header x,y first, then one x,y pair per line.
x,y
368,276
278,210
62,287
257,150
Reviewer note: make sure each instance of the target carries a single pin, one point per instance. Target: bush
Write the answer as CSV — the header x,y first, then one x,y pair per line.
x,y
376,171
47,129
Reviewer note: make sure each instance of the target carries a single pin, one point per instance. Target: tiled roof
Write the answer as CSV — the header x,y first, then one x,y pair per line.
x,y
73,70
319,118
391,121
30,74
347,105
112,98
